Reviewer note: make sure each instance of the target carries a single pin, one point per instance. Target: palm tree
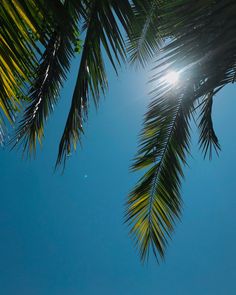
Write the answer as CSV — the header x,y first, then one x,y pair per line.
x,y
194,40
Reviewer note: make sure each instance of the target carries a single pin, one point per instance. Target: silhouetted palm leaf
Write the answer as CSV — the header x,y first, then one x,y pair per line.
x,y
208,139
102,32
49,77
37,38
202,48
23,32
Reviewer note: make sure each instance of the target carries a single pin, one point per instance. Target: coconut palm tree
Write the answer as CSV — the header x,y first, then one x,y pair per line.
x,y
193,44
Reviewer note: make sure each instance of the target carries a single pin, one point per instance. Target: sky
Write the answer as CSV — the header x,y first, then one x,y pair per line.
x,y
64,234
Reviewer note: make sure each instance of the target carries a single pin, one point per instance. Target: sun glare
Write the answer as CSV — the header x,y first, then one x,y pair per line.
x,y
171,78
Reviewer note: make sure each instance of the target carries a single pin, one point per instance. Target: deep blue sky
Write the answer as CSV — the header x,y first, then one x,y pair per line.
x,y
64,234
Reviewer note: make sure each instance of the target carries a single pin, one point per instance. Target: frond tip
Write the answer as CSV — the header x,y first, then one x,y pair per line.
x,y
208,139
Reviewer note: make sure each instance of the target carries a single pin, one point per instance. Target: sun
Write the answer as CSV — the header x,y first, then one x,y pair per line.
x,y
171,78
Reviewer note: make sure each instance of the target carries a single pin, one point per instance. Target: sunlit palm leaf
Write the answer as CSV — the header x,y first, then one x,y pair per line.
x,y
22,30
155,203
200,45
145,39
202,49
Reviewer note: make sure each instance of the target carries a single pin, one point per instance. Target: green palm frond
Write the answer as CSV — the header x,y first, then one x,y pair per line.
x,y
23,32
145,39
43,95
202,49
208,139
102,33
49,77
155,202
37,40
16,46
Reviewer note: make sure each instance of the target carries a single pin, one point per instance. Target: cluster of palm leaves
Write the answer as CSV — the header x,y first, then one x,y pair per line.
x,y
200,45
195,39
36,48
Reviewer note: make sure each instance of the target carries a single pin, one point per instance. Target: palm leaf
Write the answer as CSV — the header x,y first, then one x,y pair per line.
x,y
208,139
155,202
102,33
202,49
145,39
49,77
23,31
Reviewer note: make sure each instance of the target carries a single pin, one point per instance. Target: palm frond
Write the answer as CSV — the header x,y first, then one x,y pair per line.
x,y
23,32
202,49
17,45
155,202
145,39
208,139
102,33
49,78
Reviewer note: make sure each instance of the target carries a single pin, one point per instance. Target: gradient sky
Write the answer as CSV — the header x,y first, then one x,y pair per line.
x,y
64,234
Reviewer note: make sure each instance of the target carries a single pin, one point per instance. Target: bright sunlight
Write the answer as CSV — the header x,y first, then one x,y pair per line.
x,y
171,78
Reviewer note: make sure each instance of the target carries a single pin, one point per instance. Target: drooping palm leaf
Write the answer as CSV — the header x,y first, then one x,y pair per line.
x,y
202,49
23,31
49,77
16,46
208,139
102,33
200,45
155,202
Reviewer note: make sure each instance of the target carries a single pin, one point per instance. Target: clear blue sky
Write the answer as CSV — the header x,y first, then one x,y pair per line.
x,y
64,234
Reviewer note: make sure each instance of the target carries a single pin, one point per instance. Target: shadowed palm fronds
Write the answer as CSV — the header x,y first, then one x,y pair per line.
x,y
201,48
196,40
49,76
26,30
102,34
102,24
22,30
145,39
